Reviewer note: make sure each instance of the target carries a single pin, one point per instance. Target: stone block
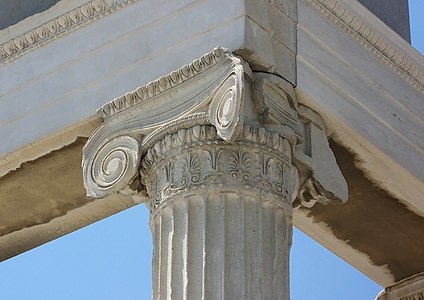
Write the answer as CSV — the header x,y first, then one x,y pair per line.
x,y
265,53
273,21
288,7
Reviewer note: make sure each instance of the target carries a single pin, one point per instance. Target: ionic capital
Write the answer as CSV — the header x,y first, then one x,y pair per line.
x,y
207,91
217,122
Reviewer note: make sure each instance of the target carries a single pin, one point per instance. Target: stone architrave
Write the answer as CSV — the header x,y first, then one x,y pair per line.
x,y
408,289
219,154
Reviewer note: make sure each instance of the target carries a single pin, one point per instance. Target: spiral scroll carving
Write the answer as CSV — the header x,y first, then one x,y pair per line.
x,y
113,166
224,111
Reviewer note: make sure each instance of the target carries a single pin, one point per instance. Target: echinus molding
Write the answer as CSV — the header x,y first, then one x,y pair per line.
x,y
372,40
58,27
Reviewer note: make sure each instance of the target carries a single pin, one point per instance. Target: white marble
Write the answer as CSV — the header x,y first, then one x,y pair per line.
x,y
61,83
356,73
367,107
219,153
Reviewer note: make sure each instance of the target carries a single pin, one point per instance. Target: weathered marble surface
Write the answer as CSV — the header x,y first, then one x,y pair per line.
x,y
357,74
74,73
220,154
364,80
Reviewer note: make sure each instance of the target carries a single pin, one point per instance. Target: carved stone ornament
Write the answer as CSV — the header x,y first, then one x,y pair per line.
x,y
210,91
197,158
322,181
160,136
319,176
221,152
113,166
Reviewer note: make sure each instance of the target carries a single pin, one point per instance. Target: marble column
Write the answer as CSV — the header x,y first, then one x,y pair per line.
x,y
221,215
219,154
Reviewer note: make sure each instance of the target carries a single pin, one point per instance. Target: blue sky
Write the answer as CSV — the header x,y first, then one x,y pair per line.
x,y
111,259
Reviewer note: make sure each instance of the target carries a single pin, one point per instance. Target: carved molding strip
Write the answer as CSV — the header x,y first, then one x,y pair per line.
x,y
372,40
415,296
408,289
201,118
197,158
162,84
58,27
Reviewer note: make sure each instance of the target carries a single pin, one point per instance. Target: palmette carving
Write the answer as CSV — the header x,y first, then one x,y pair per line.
x,y
239,166
197,158
191,169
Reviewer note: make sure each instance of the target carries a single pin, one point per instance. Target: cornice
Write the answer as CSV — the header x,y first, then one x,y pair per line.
x,y
408,289
372,40
58,27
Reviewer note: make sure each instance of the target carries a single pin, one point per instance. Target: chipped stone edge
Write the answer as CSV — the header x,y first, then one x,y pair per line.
x,y
58,27
373,41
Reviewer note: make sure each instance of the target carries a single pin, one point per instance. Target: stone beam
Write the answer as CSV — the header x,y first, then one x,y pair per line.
x,y
219,154
63,60
408,289
367,83
57,67
44,198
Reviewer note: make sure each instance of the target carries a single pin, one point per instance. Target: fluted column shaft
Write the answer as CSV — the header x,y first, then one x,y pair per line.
x,y
218,244
220,215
